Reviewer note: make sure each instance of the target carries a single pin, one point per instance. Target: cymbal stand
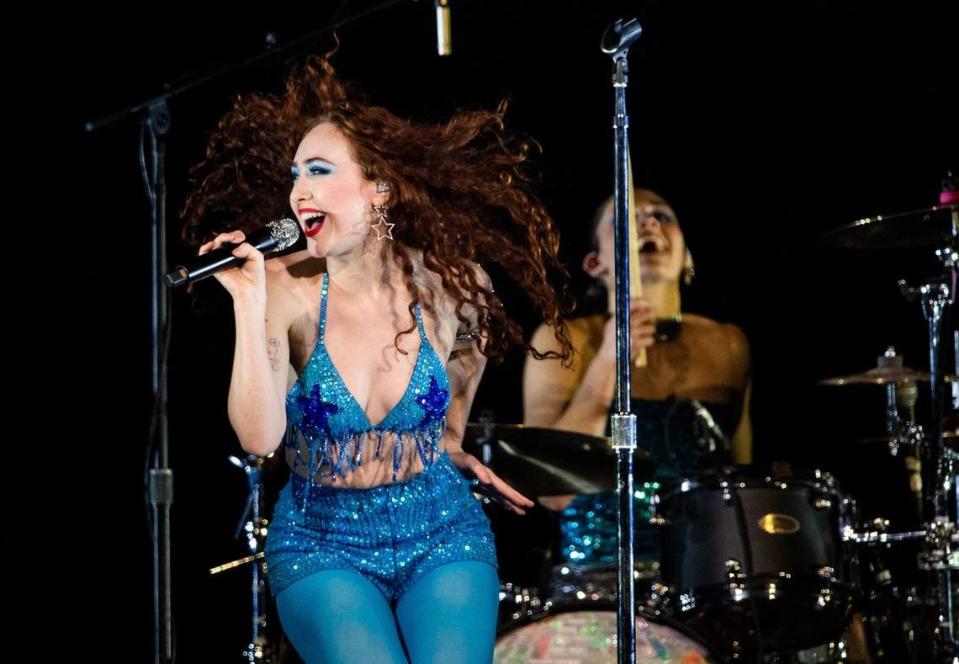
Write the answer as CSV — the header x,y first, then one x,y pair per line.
x,y
906,437
940,556
255,527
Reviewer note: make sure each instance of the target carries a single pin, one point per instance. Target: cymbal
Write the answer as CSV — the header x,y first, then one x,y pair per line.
x,y
917,228
879,376
549,462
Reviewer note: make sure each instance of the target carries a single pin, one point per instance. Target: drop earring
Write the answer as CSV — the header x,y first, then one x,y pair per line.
x,y
383,227
689,270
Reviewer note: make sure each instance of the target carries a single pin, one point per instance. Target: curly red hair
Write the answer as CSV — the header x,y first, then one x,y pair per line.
x,y
459,193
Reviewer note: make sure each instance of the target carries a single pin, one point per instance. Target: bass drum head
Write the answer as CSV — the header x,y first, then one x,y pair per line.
x,y
585,633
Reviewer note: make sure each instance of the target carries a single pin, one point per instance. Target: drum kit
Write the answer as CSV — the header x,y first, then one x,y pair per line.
x,y
749,563
769,566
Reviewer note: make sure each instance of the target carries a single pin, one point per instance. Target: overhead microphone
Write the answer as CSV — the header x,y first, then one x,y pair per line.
x,y
274,236
701,413
444,31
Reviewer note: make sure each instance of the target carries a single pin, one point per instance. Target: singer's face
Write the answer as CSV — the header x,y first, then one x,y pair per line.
x,y
661,242
330,197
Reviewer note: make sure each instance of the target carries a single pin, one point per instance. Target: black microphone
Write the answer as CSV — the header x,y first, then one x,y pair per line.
x,y
699,410
444,36
619,36
274,236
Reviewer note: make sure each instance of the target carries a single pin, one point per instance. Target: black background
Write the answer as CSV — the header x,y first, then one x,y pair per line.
x,y
765,124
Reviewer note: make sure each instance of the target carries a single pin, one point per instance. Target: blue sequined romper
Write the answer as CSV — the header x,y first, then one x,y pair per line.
x,y
391,534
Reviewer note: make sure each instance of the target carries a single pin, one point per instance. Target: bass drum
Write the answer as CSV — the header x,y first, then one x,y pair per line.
x,y
584,632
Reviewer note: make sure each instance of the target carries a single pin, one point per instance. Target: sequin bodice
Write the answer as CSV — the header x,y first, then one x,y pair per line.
x,y
328,429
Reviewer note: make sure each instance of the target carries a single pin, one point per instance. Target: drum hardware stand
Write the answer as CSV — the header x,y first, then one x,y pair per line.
x,y
905,436
939,555
617,39
255,527
878,534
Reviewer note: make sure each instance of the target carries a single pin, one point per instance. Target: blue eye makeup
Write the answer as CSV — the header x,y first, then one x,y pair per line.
x,y
314,168
319,168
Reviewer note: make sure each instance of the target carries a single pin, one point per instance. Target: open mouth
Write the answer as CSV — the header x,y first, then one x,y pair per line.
x,y
651,246
314,224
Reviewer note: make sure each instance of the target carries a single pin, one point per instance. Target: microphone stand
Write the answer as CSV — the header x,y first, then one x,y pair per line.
x,y
616,42
155,121
156,125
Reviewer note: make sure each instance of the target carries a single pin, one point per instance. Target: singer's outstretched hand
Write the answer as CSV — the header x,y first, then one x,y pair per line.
x,y
489,484
249,279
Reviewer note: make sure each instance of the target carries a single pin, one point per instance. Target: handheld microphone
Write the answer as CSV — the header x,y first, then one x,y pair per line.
x,y
274,236
444,32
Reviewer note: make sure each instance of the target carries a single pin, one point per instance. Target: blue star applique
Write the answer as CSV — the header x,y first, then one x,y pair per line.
x,y
316,414
433,402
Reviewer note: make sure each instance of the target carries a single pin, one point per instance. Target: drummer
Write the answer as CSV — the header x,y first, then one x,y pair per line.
x,y
691,399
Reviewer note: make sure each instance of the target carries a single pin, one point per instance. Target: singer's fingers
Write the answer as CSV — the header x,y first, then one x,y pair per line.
x,y
247,252
233,237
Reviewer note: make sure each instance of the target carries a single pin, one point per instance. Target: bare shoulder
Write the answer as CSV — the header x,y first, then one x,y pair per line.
x,y
701,325
736,340
725,340
585,334
441,300
586,331
544,338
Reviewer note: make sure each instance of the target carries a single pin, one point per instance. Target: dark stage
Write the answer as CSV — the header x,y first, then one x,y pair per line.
x,y
765,124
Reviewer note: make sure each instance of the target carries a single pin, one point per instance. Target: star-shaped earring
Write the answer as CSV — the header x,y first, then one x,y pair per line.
x,y
383,228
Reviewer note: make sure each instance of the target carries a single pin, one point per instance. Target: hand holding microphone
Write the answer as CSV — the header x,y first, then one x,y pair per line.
x,y
214,256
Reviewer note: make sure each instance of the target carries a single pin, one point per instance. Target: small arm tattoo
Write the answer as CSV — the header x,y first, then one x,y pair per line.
x,y
273,350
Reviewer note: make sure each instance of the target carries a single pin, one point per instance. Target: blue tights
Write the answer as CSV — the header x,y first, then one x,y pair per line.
x,y
448,615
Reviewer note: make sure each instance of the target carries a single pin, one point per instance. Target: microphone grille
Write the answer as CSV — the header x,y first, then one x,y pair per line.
x,y
285,231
